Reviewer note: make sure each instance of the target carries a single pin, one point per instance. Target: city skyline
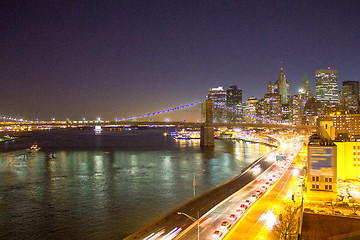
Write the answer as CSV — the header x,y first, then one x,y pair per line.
x,y
116,59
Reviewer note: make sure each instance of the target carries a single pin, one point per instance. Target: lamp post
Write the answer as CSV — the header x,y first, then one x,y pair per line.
x,y
194,220
194,181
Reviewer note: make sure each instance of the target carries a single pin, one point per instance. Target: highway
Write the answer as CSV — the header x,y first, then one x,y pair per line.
x,y
247,225
202,204
215,206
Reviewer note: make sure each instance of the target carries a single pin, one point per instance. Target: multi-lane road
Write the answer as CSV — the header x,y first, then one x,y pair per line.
x,y
219,223
202,216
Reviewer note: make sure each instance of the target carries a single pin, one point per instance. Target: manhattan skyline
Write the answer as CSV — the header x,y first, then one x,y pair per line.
x,y
114,59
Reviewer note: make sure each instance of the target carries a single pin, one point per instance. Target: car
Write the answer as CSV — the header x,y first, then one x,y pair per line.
x,y
239,212
354,215
274,176
268,183
247,202
308,210
232,217
339,213
258,193
321,211
271,180
253,197
217,234
225,225
243,207
264,188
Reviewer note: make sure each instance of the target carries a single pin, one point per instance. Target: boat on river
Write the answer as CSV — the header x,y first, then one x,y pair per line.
x,y
34,148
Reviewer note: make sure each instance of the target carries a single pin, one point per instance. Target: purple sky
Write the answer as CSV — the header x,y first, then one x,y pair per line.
x,y
117,58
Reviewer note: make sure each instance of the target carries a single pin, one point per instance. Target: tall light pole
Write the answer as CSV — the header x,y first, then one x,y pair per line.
x,y
194,181
194,220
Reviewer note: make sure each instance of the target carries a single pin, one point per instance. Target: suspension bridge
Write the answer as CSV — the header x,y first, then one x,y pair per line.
x,y
207,123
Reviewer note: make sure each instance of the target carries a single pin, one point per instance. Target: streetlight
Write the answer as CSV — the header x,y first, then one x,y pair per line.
x,y
194,220
194,181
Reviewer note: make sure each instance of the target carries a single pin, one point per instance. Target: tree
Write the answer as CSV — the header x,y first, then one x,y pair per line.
x,y
287,226
354,208
331,206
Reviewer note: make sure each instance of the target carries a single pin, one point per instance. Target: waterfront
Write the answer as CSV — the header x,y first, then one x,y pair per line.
x,y
108,185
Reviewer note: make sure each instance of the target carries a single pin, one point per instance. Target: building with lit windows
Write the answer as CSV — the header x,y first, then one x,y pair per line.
x,y
250,110
311,111
282,87
286,113
227,104
272,107
298,106
350,96
218,96
322,175
345,126
348,158
327,87
332,155
234,103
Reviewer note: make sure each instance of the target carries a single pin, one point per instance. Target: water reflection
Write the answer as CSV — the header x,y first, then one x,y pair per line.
x,y
87,193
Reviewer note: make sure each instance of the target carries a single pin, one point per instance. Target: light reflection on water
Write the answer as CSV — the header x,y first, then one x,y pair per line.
x,y
112,188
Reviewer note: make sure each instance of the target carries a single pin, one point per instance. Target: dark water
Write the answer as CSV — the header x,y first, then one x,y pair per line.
x,y
106,186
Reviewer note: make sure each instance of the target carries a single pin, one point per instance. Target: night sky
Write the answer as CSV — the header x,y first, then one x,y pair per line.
x,y
109,59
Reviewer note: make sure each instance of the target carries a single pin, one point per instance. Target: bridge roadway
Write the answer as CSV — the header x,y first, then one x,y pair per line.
x,y
157,123
202,204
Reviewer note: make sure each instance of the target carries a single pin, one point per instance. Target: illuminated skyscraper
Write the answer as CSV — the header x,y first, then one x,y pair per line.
x,y
250,110
227,104
282,87
218,96
350,96
234,103
327,88
272,107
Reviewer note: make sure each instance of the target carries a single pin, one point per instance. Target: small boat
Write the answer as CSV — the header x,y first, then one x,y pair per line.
x,y
34,148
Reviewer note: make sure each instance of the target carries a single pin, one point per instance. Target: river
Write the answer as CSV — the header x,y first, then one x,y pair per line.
x,y
108,185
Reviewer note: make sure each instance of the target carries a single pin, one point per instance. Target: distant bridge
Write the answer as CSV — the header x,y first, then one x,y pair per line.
x,y
207,126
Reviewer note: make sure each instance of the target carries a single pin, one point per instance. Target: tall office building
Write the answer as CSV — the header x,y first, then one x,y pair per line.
x,y
250,110
298,106
327,88
312,109
272,107
234,103
270,88
218,96
350,96
282,87
305,85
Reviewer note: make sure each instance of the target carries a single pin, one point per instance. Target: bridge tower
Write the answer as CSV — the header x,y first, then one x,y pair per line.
x,y
207,130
